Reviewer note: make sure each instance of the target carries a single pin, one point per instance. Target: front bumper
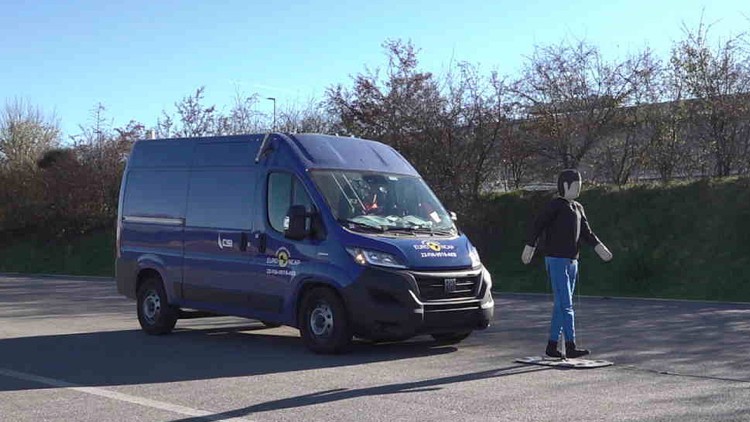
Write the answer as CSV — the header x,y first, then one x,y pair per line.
x,y
398,304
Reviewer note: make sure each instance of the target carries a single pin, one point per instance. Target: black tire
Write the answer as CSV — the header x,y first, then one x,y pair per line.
x,y
269,324
324,322
450,338
155,314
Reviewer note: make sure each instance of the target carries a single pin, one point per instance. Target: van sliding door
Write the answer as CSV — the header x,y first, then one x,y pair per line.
x,y
218,224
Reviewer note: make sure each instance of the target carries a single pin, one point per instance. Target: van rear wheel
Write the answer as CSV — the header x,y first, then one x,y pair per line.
x,y
155,314
324,322
450,338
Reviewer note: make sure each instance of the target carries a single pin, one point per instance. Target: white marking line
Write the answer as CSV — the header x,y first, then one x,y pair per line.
x,y
101,392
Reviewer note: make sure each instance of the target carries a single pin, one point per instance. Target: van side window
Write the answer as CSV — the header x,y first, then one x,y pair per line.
x,y
284,190
156,193
220,198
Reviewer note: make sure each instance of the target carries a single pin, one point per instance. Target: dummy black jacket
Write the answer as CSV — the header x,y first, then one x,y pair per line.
x,y
563,225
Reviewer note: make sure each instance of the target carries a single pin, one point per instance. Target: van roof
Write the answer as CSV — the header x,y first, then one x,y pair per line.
x,y
315,151
344,153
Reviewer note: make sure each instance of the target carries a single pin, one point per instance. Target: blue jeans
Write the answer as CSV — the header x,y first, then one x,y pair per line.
x,y
562,274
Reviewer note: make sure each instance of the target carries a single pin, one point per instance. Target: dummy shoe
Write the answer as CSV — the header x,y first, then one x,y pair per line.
x,y
552,350
571,352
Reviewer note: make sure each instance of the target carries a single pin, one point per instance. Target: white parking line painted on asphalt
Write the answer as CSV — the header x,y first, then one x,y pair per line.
x,y
101,392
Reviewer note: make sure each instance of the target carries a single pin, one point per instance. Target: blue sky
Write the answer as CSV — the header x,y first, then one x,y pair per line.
x,y
138,59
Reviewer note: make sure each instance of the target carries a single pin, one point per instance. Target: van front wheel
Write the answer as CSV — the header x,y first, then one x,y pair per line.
x,y
155,314
324,323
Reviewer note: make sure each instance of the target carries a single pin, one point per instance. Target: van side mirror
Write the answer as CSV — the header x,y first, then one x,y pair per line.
x,y
295,223
454,217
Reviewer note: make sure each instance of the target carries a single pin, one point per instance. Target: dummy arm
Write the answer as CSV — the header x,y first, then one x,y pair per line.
x,y
541,222
588,235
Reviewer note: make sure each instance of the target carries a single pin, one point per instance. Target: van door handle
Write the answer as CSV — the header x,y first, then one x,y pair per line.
x,y
243,242
261,242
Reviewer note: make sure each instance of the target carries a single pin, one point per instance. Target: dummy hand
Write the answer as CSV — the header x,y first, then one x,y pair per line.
x,y
528,253
603,252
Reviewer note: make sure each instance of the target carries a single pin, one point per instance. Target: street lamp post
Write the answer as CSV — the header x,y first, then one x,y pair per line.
x,y
273,127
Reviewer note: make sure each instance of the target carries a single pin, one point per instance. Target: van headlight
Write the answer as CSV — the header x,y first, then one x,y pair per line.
x,y
380,259
474,255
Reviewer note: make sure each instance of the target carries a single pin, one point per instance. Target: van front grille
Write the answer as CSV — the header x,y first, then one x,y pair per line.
x,y
448,286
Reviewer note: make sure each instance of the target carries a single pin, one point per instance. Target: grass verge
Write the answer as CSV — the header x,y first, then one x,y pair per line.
x,y
682,241
89,254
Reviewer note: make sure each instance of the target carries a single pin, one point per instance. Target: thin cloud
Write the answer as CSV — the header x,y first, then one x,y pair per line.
x,y
265,87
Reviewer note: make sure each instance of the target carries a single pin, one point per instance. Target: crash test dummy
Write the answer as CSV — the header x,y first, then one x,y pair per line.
x,y
563,224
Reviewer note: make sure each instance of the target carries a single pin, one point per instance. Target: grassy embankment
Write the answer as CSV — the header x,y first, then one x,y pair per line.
x,y
688,241
91,254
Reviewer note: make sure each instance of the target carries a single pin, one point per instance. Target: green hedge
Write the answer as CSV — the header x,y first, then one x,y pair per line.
x,y
687,240
89,254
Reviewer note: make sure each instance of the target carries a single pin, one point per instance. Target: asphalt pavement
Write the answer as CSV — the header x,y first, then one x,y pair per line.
x,y
71,350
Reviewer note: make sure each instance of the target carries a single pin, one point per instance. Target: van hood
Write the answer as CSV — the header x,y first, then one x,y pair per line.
x,y
435,253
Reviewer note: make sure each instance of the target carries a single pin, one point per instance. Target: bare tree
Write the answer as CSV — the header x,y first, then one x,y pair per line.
x,y
627,139
667,119
392,108
451,128
402,108
518,157
478,118
571,96
83,182
309,117
98,128
193,118
718,81
25,133
243,118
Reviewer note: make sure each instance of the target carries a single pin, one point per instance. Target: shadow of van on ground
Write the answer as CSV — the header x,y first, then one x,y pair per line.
x,y
131,357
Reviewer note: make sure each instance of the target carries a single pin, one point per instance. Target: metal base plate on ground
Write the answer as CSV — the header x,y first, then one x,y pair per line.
x,y
565,363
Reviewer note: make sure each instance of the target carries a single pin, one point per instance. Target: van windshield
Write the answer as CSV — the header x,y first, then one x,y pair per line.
x,y
382,202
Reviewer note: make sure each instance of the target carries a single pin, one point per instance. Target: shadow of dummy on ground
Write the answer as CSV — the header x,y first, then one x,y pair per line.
x,y
706,339
339,394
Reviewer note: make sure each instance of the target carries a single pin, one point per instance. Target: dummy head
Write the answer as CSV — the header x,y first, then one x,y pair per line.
x,y
569,184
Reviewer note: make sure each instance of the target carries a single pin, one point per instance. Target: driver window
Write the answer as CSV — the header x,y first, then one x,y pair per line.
x,y
284,190
300,196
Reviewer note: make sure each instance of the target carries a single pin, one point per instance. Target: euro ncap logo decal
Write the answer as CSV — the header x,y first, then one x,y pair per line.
x,y
434,249
283,256
434,246
282,264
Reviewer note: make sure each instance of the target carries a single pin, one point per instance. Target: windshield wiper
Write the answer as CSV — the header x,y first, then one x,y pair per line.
x,y
360,225
423,230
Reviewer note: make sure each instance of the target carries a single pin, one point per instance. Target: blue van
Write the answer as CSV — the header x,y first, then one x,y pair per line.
x,y
338,237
